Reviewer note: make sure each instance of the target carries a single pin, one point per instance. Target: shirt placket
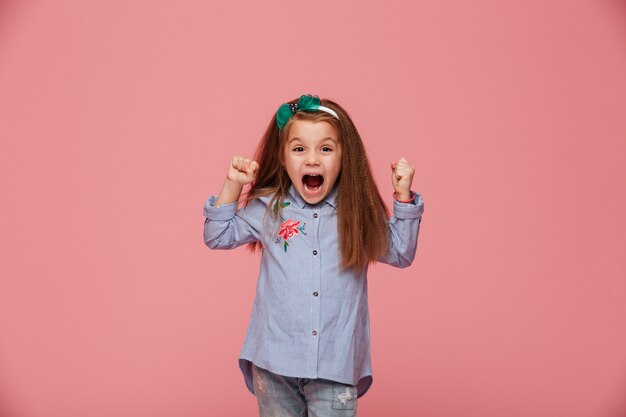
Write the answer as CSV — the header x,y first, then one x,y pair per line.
x,y
316,255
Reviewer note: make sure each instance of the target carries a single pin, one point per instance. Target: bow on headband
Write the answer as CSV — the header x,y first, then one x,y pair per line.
x,y
305,102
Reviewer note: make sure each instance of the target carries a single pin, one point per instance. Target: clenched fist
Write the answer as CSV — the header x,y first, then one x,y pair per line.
x,y
402,178
242,170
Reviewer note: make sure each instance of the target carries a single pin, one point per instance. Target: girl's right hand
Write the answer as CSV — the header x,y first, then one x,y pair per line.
x,y
242,170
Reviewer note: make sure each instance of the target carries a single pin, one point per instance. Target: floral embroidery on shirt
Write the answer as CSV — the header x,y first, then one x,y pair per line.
x,y
288,228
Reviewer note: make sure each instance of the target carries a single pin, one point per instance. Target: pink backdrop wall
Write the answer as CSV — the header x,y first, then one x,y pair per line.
x,y
117,120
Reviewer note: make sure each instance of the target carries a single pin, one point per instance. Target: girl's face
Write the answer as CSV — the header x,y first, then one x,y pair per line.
x,y
313,158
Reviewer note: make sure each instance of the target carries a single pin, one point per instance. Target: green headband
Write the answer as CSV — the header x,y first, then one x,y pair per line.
x,y
305,102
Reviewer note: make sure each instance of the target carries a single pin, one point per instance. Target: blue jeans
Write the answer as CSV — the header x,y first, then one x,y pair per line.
x,y
282,396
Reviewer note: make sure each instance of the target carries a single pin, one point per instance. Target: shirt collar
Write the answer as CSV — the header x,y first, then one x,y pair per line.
x,y
296,198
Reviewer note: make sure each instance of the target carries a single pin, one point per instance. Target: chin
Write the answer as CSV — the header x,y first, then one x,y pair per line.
x,y
312,198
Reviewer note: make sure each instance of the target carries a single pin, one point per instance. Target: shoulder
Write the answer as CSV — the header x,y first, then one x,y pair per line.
x,y
257,207
261,201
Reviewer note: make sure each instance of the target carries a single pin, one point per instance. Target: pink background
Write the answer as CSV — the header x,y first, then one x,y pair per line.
x,y
117,121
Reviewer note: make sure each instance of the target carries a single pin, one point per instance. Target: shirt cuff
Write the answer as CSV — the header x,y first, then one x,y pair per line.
x,y
223,212
410,210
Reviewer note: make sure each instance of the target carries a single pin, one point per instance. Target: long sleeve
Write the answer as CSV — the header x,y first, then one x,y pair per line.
x,y
404,226
225,227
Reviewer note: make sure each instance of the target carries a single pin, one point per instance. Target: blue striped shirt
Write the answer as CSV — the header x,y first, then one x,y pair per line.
x,y
309,318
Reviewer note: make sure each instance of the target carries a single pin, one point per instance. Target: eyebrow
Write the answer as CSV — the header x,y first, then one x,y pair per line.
x,y
329,138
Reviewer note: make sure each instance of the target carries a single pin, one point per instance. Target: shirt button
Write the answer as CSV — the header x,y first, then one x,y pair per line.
x,y
314,252
315,215
314,332
315,294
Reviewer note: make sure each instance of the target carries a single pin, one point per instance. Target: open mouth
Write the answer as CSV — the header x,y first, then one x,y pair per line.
x,y
312,183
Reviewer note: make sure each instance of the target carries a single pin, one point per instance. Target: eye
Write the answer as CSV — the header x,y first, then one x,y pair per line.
x,y
327,149
299,149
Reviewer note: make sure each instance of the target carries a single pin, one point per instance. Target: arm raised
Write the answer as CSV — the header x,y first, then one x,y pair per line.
x,y
226,227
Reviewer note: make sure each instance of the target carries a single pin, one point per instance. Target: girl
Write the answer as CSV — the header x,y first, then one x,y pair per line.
x,y
316,214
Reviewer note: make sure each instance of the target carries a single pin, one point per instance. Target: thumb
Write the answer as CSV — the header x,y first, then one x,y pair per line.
x,y
251,169
254,166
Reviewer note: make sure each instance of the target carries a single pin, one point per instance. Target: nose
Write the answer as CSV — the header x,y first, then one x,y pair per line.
x,y
312,158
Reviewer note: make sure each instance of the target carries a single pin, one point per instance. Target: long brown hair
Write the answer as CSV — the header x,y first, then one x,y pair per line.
x,y
362,214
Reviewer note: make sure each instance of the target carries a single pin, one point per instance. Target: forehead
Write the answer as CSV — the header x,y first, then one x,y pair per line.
x,y
310,130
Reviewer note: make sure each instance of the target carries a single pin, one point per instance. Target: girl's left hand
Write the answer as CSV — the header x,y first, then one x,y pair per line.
x,y
402,178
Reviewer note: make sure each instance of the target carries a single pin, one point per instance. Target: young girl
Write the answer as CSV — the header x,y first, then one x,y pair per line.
x,y
316,214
